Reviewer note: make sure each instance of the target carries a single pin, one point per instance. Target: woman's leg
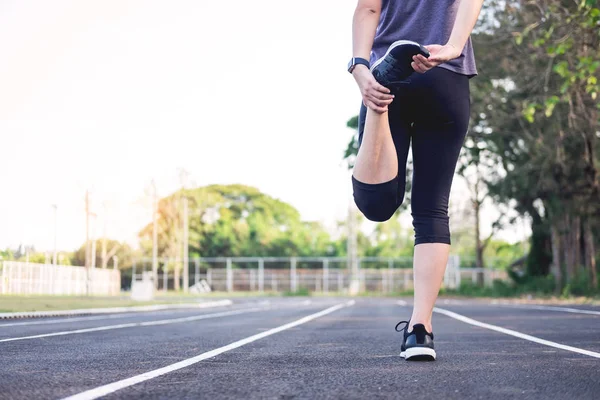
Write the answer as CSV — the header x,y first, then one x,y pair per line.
x,y
376,161
379,177
437,138
429,264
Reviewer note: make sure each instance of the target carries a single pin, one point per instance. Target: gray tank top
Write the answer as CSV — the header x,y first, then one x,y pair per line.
x,y
425,22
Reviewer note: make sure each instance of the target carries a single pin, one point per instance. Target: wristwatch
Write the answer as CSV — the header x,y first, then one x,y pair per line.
x,y
357,60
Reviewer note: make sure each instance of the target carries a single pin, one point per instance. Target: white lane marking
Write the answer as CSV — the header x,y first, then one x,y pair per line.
x,y
113,310
306,302
136,324
113,387
402,303
520,335
67,320
550,308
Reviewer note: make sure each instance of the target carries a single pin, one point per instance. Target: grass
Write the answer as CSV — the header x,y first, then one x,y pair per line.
x,y
300,292
14,303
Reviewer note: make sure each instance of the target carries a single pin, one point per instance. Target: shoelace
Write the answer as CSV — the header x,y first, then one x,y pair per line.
x,y
404,328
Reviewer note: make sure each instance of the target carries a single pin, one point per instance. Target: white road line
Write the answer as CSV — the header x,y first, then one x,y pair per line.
x,y
402,303
114,310
510,332
551,308
67,320
113,387
136,324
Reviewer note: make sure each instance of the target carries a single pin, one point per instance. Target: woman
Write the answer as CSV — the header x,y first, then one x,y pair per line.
x,y
429,108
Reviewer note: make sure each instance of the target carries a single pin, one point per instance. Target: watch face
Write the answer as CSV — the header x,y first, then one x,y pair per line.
x,y
351,65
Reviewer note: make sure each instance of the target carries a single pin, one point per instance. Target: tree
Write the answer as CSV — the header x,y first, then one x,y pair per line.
x,y
235,220
115,248
543,124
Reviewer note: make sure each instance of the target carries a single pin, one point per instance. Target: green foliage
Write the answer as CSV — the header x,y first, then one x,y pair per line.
x,y
298,293
537,286
122,250
236,220
580,286
390,239
540,255
535,114
352,148
6,255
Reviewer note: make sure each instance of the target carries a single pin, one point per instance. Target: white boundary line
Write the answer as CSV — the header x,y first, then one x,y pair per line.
x,y
548,308
112,310
137,324
113,387
68,320
510,332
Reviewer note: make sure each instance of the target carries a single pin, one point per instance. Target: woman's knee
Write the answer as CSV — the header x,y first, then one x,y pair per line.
x,y
431,228
378,202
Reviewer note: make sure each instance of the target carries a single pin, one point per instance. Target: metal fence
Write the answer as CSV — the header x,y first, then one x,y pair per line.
x,y
30,278
315,274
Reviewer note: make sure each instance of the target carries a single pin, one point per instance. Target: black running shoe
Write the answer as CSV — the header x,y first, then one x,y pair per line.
x,y
416,345
394,67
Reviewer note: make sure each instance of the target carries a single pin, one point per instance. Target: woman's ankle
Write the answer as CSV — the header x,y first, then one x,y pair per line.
x,y
425,323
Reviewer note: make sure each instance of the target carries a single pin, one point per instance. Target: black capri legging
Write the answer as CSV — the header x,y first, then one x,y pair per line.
x,y
432,109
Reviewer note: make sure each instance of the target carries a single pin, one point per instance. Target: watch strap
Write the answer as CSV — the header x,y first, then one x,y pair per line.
x,y
358,61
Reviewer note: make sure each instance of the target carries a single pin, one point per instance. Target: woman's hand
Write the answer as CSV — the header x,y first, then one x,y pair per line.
x,y
375,96
438,55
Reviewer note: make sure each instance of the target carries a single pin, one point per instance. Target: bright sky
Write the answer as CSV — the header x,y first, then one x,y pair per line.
x,y
108,95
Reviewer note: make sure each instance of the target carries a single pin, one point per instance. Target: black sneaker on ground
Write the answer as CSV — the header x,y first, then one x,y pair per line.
x,y
394,67
416,345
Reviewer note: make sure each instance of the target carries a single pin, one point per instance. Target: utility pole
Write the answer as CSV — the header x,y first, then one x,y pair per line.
x,y
87,228
104,257
93,263
183,176
186,264
90,251
154,236
352,251
54,254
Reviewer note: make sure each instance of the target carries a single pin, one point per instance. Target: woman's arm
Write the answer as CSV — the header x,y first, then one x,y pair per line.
x,y
466,17
364,26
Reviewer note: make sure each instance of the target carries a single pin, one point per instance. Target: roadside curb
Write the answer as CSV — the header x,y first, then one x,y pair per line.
x,y
114,310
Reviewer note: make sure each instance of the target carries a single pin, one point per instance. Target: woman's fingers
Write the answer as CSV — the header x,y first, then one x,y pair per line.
x,y
421,64
382,96
418,67
376,108
380,88
379,102
424,61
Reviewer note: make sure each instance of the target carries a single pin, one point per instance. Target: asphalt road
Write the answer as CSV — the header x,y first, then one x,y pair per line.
x,y
349,352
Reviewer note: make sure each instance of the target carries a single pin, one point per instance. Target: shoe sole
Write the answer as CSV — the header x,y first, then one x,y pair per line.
x,y
392,47
419,354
